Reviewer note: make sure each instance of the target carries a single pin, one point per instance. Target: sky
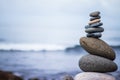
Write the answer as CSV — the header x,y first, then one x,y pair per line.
x,y
56,21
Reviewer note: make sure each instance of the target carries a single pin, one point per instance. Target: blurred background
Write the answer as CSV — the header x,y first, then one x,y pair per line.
x,y
55,22
50,25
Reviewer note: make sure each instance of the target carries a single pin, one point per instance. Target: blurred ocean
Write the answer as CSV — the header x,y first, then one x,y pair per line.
x,y
34,61
33,64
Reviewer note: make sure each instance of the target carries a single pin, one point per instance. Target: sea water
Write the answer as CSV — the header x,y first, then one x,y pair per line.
x,y
44,62
33,63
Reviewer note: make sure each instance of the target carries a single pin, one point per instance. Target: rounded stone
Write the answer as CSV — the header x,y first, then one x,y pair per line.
x,y
93,18
95,14
93,76
94,21
97,47
93,63
94,35
67,77
93,30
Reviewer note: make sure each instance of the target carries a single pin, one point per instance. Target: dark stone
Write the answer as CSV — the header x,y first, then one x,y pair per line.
x,y
93,30
67,77
93,63
94,35
94,14
8,76
33,79
96,24
93,18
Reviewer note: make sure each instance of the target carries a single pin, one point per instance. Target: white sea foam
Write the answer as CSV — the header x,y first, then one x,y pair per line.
x,y
34,47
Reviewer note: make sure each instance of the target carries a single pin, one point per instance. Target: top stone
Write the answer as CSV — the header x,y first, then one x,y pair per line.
x,y
94,14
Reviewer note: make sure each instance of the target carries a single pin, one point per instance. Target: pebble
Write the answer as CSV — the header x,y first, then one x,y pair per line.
x,y
93,30
95,25
93,63
5,75
67,77
93,18
97,47
94,14
94,35
94,21
93,76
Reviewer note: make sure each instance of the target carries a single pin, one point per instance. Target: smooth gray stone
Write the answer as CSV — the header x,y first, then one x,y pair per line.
x,y
94,35
97,47
95,14
93,63
95,25
93,18
93,30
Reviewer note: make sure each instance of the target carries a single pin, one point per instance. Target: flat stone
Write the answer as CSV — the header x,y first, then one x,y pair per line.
x,y
95,25
97,47
93,76
94,21
94,35
93,63
93,18
93,30
94,14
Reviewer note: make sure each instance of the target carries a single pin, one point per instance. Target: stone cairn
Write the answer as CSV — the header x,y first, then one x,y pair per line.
x,y
100,58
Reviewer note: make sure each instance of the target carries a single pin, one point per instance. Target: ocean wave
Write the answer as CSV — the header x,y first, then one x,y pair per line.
x,y
43,47
31,47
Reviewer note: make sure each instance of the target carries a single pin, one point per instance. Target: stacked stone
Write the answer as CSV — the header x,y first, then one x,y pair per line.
x,y
93,28
100,58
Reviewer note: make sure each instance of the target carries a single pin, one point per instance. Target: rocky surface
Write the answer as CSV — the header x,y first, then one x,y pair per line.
x,y
8,76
